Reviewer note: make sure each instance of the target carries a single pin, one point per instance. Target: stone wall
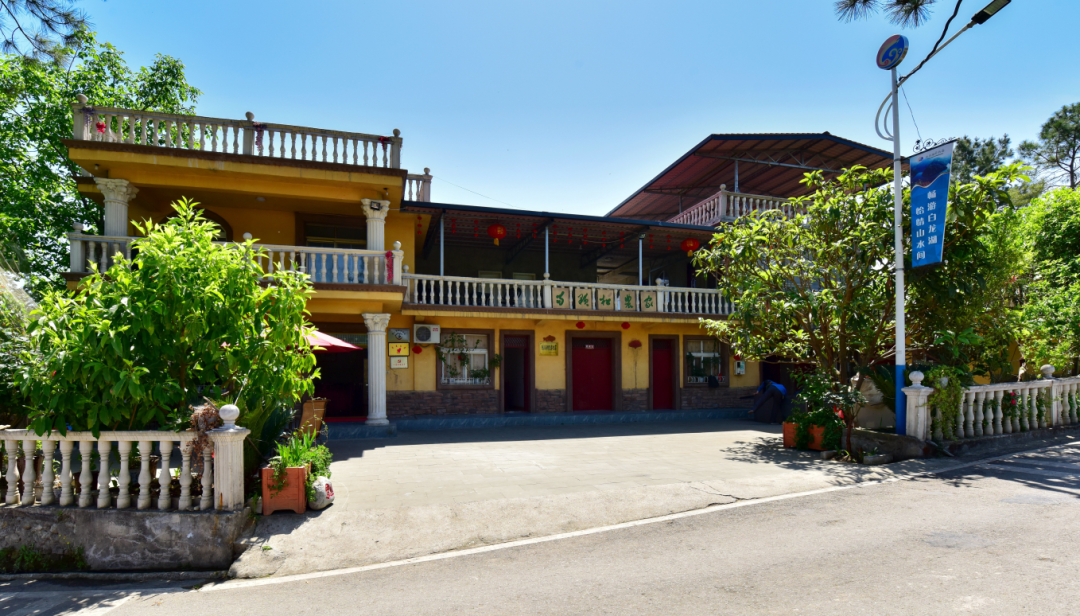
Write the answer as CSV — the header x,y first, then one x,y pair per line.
x,y
441,402
127,539
716,398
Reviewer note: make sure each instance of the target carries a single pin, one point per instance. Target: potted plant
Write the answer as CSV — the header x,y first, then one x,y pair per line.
x,y
288,479
820,424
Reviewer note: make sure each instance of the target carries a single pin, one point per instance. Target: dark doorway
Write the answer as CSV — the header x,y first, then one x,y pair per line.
x,y
663,375
343,382
592,374
516,373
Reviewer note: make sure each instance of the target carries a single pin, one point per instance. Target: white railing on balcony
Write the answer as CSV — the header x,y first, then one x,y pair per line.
x,y
248,137
1001,408
418,187
430,290
727,206
323,265
141,466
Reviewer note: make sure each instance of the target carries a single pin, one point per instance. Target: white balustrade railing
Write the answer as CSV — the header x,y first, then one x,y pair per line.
x,y
81,470
727,206
248,137
329,265
418,187
431,290
1001,408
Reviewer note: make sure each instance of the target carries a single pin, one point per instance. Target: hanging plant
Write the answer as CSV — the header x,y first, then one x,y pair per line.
x,y
945,399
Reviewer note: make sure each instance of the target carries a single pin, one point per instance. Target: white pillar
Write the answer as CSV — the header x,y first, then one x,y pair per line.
x,y
117,194
918,412
376,337
228,461
376,211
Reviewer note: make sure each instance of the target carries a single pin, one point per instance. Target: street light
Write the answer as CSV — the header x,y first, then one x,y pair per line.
x,y
890,56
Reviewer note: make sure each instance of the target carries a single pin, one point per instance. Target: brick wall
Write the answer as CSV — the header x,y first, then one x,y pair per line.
x,y
716,398
441,402
550,400
635,399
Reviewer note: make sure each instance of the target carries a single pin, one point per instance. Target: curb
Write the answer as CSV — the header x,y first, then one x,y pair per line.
x,y
107,576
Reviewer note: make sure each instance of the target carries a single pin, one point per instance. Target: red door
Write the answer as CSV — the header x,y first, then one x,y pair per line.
x,y
663,392
592,374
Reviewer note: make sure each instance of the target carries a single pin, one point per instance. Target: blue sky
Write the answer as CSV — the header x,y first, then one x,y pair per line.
x,y
572,106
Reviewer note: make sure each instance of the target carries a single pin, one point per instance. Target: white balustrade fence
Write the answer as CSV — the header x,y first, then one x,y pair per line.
x,y
434,290
281,141
418,187
78,470
329,265
1001,408
727,206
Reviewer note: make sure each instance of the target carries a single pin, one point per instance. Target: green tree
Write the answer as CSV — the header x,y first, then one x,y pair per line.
x,y
977,156
1051,306
31,28
186,318
1057,152
816,288
905,13
39,201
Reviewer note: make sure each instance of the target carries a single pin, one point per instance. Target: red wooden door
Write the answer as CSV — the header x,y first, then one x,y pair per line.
x,y
663,392
592,374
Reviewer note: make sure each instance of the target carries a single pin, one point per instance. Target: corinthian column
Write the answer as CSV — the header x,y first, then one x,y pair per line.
x,y
375,211
376,338
117,194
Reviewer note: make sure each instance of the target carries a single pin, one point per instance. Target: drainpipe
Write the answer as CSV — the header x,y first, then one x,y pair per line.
x,y
736,176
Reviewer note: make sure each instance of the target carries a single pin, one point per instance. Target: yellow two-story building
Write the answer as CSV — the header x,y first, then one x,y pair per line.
x,y
456,309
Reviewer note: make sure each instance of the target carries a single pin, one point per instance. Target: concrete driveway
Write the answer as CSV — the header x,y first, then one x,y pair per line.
x,y
428,492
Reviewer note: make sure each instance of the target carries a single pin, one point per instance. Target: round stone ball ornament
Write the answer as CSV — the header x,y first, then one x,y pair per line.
x,y
892,52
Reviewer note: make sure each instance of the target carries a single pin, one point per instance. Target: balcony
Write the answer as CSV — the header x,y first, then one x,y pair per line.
x,y
728,206
432,291
226,136
326,266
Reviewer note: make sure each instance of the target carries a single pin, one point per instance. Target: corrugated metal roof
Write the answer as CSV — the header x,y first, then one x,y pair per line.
x,y
770,164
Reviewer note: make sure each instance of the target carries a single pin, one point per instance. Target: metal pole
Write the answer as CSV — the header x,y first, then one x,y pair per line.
x,y
898,246
640,260
736,176
442,243
546,245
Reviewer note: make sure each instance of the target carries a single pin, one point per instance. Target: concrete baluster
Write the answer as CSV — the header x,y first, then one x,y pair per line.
x,y
978,423
145,447
66,493
104,479
1023,403
207,499
967,404
185,476
29,472
123,498
86,476
163,477
12,449
998,415
48,478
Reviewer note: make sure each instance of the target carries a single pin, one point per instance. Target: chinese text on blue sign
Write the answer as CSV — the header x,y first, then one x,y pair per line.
x,y
929,203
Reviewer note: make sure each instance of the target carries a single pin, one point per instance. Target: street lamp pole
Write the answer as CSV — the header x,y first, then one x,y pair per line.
x,y
890,55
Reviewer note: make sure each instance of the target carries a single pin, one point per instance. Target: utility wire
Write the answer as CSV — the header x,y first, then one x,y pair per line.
x,y
941,38
472,191
917,131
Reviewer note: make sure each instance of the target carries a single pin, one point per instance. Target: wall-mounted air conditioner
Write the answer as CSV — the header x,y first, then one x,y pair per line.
x,y
425,334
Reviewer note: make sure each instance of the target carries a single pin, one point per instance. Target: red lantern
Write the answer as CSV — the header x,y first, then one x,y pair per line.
x,y
417,349
580,325
690,245
625,325
497,232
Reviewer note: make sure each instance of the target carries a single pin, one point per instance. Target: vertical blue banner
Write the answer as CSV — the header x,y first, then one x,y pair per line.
x,y
930,172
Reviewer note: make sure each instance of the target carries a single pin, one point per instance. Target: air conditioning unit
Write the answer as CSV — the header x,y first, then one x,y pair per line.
x,y
426,334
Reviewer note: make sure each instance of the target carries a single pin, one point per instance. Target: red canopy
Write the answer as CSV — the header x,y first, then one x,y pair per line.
x,y
329,344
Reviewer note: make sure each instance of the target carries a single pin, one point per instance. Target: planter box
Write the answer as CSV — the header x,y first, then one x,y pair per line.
x,y
816,434
292,496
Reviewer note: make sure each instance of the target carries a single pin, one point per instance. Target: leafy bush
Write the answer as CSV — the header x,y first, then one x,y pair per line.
x,y
828,405
297,451
185,319
14,349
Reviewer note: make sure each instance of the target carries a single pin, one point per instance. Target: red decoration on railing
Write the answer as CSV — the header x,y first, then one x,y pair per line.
x,y
389,267
497,232
690,245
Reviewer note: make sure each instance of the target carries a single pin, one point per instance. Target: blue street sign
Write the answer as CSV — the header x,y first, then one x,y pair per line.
x,y
930,172
892,52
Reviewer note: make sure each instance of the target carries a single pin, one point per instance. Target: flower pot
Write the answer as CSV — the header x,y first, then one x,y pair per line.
x,y
292,496
816,434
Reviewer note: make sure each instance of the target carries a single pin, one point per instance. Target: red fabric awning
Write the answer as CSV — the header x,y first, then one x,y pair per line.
x,y
329,344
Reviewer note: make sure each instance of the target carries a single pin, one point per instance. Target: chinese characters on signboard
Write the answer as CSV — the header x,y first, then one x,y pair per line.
x,y
930,172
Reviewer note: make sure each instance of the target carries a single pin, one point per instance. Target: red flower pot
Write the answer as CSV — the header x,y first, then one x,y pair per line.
x,y
816,434
293,495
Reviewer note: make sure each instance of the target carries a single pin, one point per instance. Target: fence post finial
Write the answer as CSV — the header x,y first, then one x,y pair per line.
x,y
1047,371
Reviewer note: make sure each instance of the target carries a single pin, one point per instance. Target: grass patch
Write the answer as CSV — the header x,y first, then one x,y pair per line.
x,y
26,559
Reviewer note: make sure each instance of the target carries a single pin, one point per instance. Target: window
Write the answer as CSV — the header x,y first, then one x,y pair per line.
x,y
335,236
488,274
705,357
524,276
465,359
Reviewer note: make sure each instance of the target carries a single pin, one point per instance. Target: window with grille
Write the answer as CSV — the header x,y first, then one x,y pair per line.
x,y
467,362
704,359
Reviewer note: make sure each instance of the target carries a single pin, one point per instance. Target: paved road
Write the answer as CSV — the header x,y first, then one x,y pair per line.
x,y
1000,537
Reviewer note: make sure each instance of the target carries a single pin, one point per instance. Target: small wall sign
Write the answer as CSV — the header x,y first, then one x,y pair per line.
x,y
398,363
398,349
398,334
549,348
740,367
